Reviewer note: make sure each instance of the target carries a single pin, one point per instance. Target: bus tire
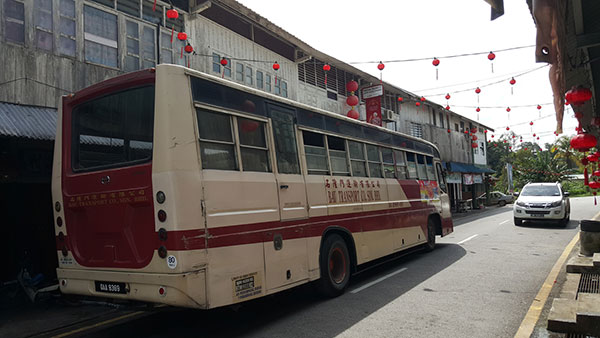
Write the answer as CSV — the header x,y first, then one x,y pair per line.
x,y
334,262
430,235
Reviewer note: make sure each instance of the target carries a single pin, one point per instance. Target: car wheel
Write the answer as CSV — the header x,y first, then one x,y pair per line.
x,y
565,221
518,221
502,203
334,263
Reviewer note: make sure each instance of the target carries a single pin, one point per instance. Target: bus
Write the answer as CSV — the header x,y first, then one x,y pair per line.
x,y
177,187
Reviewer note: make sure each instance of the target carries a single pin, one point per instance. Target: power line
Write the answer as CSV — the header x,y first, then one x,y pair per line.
x,y
442,57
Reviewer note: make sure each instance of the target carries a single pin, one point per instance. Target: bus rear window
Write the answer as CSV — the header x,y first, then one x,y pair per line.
x,y
114,130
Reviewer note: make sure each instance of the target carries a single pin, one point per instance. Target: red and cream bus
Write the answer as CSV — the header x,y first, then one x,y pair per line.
x,y
173,186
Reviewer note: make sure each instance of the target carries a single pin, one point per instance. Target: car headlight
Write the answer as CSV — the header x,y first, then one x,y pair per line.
x,y
521,204
556,204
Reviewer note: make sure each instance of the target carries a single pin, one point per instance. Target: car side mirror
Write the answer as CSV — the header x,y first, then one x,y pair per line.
x,y
516,194
566,193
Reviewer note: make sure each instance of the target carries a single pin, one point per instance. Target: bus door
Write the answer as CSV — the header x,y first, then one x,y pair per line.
x,y
290,181
285,250
443,188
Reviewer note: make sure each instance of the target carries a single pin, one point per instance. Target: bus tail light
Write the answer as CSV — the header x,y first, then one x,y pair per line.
x,y
162,215
63,282
162,251
160,197
162,291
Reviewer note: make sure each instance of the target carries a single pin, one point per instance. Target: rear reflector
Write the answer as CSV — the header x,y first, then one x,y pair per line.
x,y
162,215
162,251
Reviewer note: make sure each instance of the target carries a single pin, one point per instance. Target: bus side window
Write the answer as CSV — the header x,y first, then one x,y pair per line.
x,y
337,156
316,154
388,162
217,145
400,164
430,170
374,161
357,159
411,164
284,134
441,177
253,145
421,167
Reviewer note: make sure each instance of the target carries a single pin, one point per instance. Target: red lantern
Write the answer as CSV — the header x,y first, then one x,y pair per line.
x,y
539,107
594,185
352,100
447,107
583,142
491,56
531,123
423,98
449,131
276,66
417,103
474,137
514,136
492,135
477,109
512,81
510,148
249,126
578,96
435,62
473,145
477,90
466,132
223,62
485,131
353,114
326,68
182,36
507,128
352,86
473,130
172,14
592,158
525,148
533,134
380,66
508,109
400,99
538,138
584,161
188,48
447,96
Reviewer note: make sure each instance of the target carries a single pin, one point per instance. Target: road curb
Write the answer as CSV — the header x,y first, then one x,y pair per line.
x,y
533,314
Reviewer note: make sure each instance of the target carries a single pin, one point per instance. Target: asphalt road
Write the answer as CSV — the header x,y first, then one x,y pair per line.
x,y
478,282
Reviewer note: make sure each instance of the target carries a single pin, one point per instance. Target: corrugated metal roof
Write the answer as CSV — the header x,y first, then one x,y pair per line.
x,y
30,122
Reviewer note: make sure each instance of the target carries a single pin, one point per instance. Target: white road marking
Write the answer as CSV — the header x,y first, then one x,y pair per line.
x,y
503,222
377,281
467,239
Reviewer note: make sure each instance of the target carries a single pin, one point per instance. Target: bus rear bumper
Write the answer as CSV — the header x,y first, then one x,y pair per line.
x,y
184,289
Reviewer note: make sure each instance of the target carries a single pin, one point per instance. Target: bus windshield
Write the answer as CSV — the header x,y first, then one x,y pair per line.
x,y
113,130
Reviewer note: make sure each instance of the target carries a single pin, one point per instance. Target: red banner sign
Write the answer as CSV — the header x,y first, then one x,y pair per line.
x,y
373,106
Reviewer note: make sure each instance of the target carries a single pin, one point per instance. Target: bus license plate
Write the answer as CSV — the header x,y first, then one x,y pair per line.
x,y
537,215
111,287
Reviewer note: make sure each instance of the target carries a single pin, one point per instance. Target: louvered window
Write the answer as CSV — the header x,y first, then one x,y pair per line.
x,y
320,74
341,82
311,76
332,79
301,76
416,129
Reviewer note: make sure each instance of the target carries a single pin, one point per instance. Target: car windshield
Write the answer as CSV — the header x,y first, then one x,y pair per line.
x,y
541,190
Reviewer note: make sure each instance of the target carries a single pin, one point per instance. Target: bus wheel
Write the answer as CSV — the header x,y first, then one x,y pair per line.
x,y
334,262
430,234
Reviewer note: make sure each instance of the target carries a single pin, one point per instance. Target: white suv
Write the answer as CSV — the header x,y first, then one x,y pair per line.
x,y
542,202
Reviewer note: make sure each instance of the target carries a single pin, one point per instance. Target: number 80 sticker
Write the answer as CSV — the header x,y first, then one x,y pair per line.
x,y
172,262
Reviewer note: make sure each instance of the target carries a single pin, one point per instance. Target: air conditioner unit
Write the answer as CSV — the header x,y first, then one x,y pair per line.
x,y
387,115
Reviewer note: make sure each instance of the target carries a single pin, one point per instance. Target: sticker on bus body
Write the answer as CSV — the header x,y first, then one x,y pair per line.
x,y
171,262
247,286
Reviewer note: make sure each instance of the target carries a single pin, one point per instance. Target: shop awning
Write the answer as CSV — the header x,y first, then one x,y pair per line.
x,y
467,168
37,123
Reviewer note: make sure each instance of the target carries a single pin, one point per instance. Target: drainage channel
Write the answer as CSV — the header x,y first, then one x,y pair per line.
x,y
589,283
